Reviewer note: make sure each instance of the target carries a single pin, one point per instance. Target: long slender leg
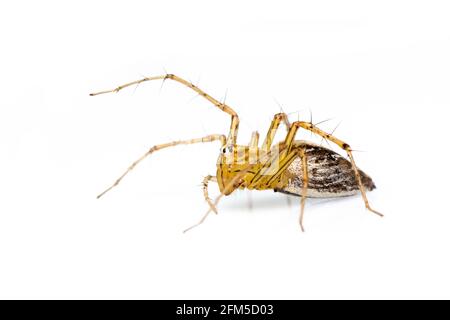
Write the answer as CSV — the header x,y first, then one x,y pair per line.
x,y
209,138
222,106
304,185
310,127
278,118
206,180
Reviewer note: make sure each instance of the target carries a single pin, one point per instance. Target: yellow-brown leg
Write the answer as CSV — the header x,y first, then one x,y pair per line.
x,y
277,119
222,106
206,180
254,140
310,127
209,138
302,153
253,151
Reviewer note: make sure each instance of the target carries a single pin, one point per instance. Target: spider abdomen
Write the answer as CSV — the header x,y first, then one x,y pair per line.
x,y
329,174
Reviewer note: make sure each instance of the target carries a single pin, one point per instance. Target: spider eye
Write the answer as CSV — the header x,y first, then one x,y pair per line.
x,y
226,149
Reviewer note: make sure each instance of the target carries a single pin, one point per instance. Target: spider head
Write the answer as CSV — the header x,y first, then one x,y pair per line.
x,y
227,154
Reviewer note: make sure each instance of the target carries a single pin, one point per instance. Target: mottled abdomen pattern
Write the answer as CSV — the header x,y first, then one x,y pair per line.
x,y
330,174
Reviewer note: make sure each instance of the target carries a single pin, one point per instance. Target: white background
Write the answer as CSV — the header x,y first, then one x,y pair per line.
x,y
382,67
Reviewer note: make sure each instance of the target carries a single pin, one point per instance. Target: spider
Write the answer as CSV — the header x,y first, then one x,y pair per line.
x,y
294,167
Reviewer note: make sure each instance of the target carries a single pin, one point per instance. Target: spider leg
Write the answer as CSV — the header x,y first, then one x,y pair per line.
x,y
277,119
302,153
232,137
206,180
209,138
253,150
254,140
346,147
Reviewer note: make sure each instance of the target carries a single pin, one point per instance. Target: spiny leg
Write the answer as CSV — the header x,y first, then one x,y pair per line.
x,y
206,180
277,119
302,153
310,127
222,106
209,138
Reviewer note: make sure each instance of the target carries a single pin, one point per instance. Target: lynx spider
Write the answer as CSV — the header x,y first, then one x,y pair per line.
x,y
291,166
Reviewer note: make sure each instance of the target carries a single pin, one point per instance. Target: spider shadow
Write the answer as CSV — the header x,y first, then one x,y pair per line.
x,y
269,200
